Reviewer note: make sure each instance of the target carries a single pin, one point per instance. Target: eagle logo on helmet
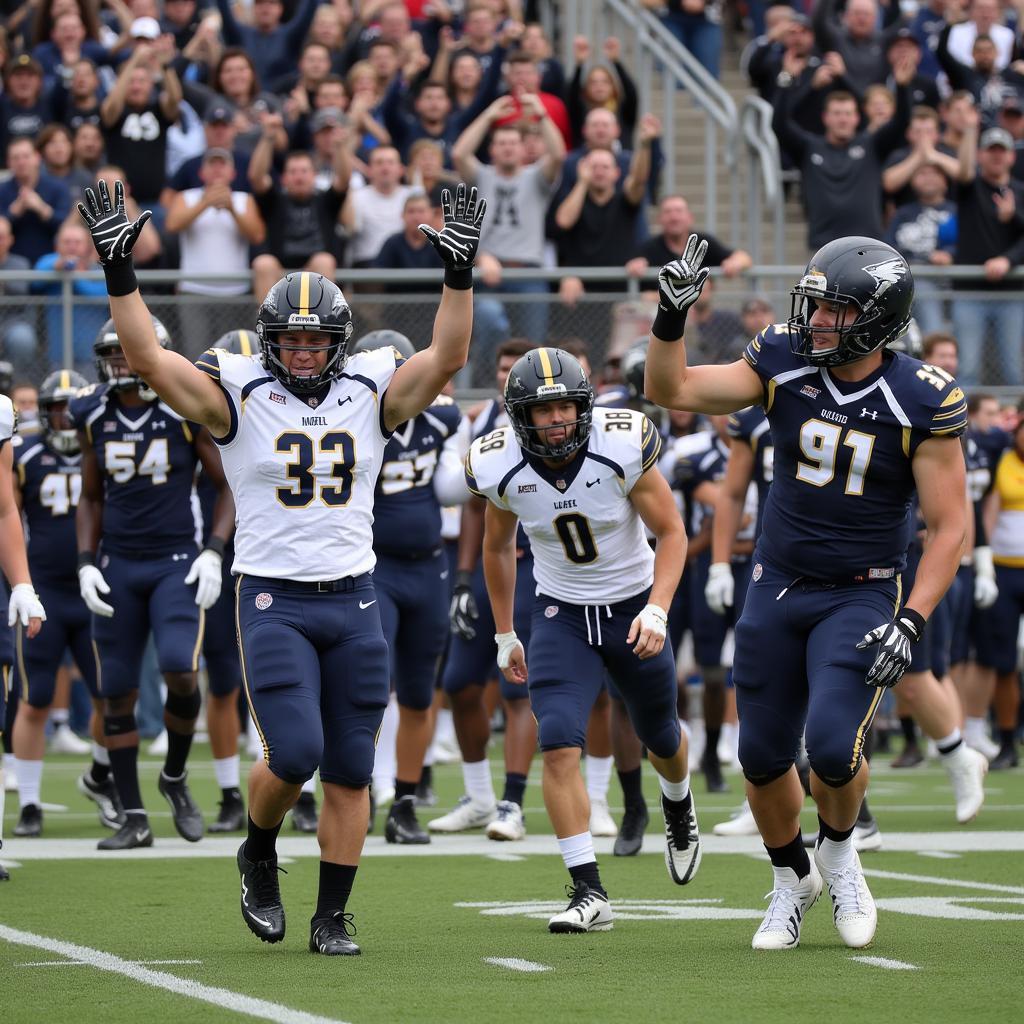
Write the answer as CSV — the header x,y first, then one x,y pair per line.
x,y
886,274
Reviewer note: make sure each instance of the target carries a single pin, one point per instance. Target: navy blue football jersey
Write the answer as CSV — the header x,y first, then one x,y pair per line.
x,y
50,484
751,427
406,512
695,458
840,501
147,457
982,451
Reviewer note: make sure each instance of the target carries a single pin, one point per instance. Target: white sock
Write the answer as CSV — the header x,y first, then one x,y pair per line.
x,y
30,781
476,777
444,727
9,765
731,737
948,741
675,790
599,773
577,850
974,727
100,754
60,716
226,771
309,786
384,763
835,856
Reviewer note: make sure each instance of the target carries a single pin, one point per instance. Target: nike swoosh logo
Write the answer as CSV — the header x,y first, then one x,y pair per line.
x,y
139,836
590,483
368,603
342,401
258,920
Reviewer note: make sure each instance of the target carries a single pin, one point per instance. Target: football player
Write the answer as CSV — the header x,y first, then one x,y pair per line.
x,y
583,482
826,627
137,562
302,430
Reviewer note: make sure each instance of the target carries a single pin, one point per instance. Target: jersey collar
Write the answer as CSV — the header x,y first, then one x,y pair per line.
x,y
560,479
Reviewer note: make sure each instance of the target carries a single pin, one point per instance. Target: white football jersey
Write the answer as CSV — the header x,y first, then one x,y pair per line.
x,y
8,419
588,540
303,476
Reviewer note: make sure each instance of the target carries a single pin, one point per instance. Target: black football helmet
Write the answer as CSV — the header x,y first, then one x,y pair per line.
x,y
241,342
872,282
633,368
57,389
548,375
6,377
111,366
385,339
304,301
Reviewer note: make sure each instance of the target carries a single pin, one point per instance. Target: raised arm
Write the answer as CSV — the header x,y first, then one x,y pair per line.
x,y
640,166
113,106
466,145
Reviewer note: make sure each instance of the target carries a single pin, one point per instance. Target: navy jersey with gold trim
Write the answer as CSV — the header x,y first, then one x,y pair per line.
x,y
147,457
751,427
840,501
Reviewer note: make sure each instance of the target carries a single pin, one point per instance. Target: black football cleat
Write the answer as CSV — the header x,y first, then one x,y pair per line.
x,y
104,796
30,822
134,833
304,814
330,936
631,831
262,909
188,819
231,817
402,827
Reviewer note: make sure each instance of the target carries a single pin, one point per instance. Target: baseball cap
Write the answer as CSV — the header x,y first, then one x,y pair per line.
x,y
145,28
219,113
904,33
992,137
23,62
327,117
218,153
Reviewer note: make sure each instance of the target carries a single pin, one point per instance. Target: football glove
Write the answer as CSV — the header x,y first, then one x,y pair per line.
x,y
113,234
457,242
720,589
206,572
893,640
680,282
985,588
24,605
463,611
91,584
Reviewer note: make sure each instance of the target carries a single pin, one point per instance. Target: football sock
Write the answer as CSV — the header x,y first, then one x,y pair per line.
x,y
30,779
713,734
427,776
948,744
515,787
632,787
908,730
335,888
309,787
307,799
588,873
835,846
476,777
124,761
864,815
178,747
385,765
226,770
1007,738
599,773
677,792
578,856
260,843
790,862
60,716
404,789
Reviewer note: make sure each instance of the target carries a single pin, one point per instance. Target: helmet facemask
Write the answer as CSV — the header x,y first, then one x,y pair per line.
x,y
60,436
271,349
531,437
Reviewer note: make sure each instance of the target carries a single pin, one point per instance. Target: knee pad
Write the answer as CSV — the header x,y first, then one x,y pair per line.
x,y
355,768
185,706
833,772
559,727
119,725
296,762
664,741
762,764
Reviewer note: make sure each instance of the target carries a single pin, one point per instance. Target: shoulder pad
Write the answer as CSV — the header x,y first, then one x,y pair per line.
x,y
490,458
8,418
209,361
939,405
770,353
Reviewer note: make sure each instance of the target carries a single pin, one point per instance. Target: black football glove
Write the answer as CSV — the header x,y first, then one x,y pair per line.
x,y
463,611
113,234
680,282
457,242
894,640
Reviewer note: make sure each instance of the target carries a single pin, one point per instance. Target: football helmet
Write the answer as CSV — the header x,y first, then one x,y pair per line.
x,y
57,389
240,342
872,283
634,365
304,301
6,376
548,375
385,339
111,365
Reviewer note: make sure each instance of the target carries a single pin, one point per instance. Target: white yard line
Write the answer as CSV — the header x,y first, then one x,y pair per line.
x,y
956,883
85,963
222,998
513,963
885,962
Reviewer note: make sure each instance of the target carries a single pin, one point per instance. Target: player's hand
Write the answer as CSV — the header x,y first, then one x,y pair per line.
x,y
893,640
648,629
985,588
680,282
91,584
511,657
113,234
26,608
463,612
720,589
457,242
206,572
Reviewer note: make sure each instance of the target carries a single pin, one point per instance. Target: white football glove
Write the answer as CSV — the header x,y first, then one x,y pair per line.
x,y
91,584
206,571
680,282
985,588
720,589
894,640
507,643
24,605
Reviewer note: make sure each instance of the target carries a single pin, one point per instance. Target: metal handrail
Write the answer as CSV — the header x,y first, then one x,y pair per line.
x,y
764,170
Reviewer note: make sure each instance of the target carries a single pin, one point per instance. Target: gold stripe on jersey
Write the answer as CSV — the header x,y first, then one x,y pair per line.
x,y
955,429
304,294
209,363
244,343
960,410
99,667
19,644
471,477
650,445
858,742
956,395
545,366
3,683
65,379
186,430
906,441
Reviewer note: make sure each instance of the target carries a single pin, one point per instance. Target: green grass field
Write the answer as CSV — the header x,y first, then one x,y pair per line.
x,y
949,942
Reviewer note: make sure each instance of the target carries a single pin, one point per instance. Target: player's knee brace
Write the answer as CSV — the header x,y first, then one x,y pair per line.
x,y
184,706
119,725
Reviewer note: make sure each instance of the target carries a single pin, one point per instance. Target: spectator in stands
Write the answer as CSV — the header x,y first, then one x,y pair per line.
x,y
74,253
523,78
606,85
372,212
479,35
386,58
927,25
858,39
676,223
787,50
331,24
271,44
879,108
924,231
990,234
409,249
697,24
56,147
17,335
984,19
956,111
925,147
713,335
25,106
220,131
923,90
981,74
842,170
1011,117
757,313
301,83
386,22
147,250
136,118
181,18
301,222
599,215
32,201
80,101
426,168
330,128
66,46
215,223
535,43
89,149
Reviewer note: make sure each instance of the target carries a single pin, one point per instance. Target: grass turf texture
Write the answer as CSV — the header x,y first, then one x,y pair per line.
x,y
424,956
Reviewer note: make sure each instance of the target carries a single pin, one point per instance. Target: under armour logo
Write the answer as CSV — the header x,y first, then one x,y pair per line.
x,y
866,412
159,424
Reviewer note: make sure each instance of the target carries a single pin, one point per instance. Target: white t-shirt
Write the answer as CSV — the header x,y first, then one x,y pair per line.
x,y
377,217
212,244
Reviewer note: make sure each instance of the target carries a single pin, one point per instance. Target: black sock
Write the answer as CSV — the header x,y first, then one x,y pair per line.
x,y
99,773
679,806
909,732
793,855
515,787
1007,738
307,799
713,734
335,888
826,831
864,815
260,844
948,748
404,789
427,777
632,787
588,873
124,763
231,794
178,746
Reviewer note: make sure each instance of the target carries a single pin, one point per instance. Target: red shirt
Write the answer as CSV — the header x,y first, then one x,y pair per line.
x,y
556,111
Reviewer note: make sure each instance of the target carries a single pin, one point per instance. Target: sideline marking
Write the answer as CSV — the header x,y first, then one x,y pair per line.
x,y
221,997
513,963
938,854
508,858
85,963
885,962
956,883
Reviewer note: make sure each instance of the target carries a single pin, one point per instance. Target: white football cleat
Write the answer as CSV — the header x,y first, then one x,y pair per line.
x,y
466,815
158,748
853,907
867,836
64,741
445,750
508,822
740,824
780,928
682,842
588,911
601,821
978,739
967,769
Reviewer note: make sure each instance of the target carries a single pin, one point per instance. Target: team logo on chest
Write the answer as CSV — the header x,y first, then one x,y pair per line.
x,y
264,601
809,391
